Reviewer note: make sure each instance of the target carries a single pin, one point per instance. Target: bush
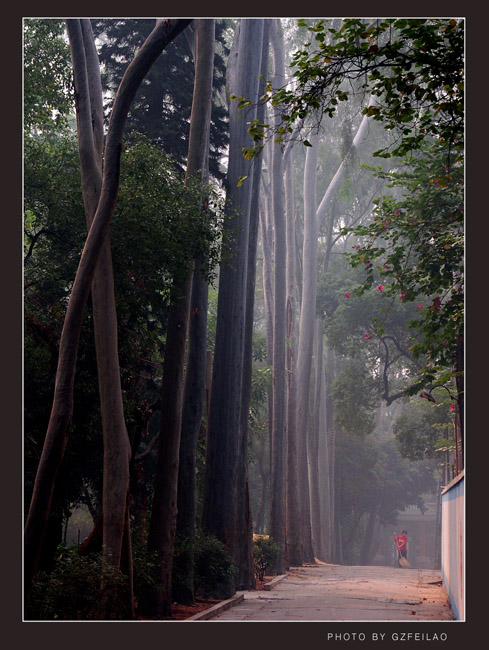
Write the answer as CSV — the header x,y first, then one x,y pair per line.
x,y
214,569
72,591
265,552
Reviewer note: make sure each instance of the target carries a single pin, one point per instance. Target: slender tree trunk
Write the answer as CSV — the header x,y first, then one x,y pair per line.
x,y
370,541
162,527
332,190
278,446
62,409
306,337
267,272
327,454
294,547
324,463
244,525
313,447
264,467
193,409
222,450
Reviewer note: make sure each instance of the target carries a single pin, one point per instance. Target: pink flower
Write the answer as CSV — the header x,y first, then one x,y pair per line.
x,y
380,287
366,335
367,264
386,266
347,294
420,306
452,407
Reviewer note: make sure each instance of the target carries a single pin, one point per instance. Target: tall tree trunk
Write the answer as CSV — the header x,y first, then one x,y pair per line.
x,y
331,438
326,455
360,138
193,409
267,273
370,541
313,447
222,450
278,442
62,409
89,109
88,89
162,527
306,337
244,525
294,546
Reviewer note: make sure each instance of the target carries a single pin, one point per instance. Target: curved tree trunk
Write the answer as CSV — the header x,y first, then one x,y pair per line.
x,y
62,409
88,90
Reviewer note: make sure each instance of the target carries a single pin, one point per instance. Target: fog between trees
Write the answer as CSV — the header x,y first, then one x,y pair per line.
x,y
262,331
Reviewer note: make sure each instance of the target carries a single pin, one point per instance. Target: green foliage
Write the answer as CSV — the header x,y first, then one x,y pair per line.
x,y
47,89
265,552
144,563
157,229
72,591
412,67
213,567
421,428
356,395
162,106
414,250
373,477
367,329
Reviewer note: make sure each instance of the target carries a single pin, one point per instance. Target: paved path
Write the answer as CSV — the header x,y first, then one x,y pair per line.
x,y
347,593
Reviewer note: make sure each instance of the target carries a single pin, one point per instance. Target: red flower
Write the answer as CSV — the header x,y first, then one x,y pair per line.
x,y
347,294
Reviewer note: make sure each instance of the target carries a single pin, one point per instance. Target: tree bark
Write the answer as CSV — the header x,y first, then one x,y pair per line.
x,y
278,442
306,337
222,450
88,89
314,447
62,409
293,528
326,468
244,525
162,527
195,386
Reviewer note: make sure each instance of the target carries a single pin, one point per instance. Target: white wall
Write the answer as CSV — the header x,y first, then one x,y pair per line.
x,y
453,544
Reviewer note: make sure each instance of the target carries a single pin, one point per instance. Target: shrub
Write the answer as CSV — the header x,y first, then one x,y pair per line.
x,y
265,552
72,591
214,569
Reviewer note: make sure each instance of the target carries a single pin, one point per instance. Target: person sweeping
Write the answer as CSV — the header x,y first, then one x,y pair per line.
x,y
401,543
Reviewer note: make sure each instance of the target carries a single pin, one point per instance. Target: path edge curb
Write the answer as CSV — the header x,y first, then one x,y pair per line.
x,y
268,586
217,609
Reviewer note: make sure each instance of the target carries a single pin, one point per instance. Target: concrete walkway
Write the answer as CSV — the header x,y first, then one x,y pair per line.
x,y
347,593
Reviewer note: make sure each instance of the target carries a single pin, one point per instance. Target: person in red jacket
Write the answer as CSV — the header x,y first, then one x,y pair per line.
x,y
401,542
